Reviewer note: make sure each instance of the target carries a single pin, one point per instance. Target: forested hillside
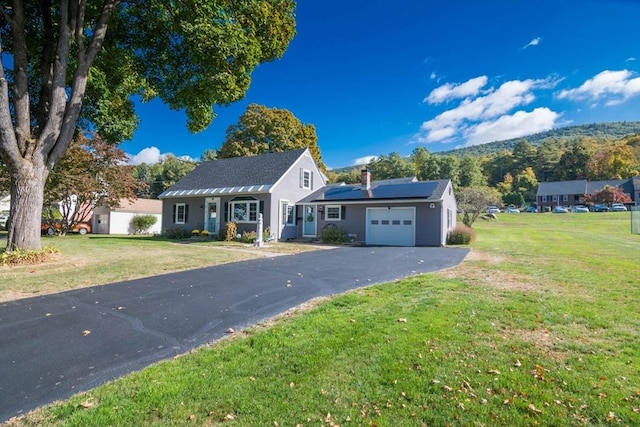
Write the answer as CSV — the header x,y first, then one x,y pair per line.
x,y
607,151
600,131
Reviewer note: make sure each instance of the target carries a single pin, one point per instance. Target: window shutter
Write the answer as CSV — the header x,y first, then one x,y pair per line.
x,y
343,212
311,183
174,213
186,213
226,212
261,208
301,178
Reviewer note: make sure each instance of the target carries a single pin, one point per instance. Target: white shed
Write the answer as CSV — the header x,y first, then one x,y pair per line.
x,y
109,220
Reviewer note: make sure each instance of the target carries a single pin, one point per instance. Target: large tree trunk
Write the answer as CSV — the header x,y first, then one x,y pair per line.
x,y
27,192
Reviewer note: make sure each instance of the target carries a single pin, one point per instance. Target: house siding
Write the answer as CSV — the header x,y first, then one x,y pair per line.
x,y
289,189
430,229
432,225
270,193
195,217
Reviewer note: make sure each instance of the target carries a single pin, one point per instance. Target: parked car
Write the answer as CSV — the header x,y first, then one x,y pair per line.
x,y
580,209
600,208
493,210
512,209
560,209
80,228
618,207
531,209
3,221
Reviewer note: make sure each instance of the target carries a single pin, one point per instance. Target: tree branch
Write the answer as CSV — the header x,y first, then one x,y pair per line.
x,y
85,59
21,80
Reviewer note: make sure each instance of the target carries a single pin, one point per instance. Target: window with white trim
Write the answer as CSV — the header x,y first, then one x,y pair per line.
x,y
305,179
243,210
288,214
333,213
180,213
565,198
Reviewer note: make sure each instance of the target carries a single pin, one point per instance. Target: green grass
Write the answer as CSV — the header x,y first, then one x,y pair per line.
x,y
539,326
99,259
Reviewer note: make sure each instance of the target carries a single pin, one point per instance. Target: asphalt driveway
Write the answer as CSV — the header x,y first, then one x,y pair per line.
x,y
54,346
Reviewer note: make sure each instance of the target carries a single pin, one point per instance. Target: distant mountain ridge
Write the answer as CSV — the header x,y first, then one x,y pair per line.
x,y
608,130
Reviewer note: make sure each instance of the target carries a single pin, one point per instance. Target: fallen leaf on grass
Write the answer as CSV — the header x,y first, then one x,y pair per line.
x,y
402,320
89,403
533,409
493,371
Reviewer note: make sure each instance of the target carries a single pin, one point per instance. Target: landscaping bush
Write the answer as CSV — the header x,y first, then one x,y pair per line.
x,y
142,223
461,235
333,234
232,231
195,232
176,233
249,237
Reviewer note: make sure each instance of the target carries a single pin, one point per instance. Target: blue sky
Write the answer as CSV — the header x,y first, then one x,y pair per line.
x,y
378,76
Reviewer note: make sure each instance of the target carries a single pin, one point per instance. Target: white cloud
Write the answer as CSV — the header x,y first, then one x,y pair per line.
x,y
534,42
450,91
487,108
149,155
609,87
363,160
521,123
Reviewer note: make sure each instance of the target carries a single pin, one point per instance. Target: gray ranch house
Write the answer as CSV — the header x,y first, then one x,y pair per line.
x,y
238,189
296,202
396,212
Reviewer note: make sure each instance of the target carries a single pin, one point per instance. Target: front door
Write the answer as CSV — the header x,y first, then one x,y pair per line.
x,y
309,227
212,215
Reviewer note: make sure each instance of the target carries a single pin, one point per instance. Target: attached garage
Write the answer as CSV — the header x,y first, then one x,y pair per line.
x,y
395,226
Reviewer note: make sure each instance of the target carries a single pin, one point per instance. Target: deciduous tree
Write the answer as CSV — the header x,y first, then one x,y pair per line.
x,y
608,194
474,200
91,173
74,64
266,130
391,166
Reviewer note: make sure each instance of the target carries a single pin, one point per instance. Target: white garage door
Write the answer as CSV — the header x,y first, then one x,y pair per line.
x,y
392,227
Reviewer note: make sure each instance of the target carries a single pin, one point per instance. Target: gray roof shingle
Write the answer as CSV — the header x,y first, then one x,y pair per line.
x,y
257,172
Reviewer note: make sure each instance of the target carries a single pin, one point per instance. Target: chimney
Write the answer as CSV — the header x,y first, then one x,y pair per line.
x,y
365,179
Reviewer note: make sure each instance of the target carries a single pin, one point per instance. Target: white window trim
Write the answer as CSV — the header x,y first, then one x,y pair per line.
x,y
305,179
326,212
248,203
184,211
289,214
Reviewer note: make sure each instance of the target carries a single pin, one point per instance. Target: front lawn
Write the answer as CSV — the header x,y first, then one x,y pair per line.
x,y
97,259
539,326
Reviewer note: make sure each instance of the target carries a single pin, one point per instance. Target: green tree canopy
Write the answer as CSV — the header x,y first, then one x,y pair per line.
x,y
69,65
391,166
262,129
